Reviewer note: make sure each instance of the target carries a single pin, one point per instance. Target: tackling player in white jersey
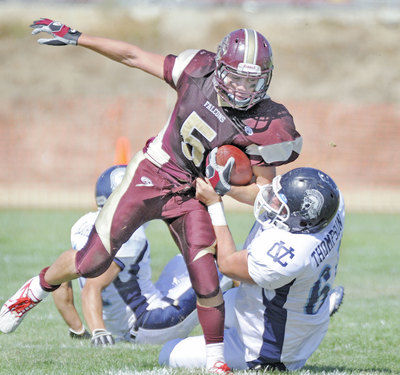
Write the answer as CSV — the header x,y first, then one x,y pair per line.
x,y
123,303
280,313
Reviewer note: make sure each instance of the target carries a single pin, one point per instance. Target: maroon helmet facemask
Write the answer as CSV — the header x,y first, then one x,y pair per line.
x,y
244,68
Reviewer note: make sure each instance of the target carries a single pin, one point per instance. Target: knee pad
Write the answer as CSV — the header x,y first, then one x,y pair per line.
x,y
93,259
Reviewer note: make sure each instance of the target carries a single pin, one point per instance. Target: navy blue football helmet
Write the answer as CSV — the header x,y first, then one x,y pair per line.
x,y
107,182
303,200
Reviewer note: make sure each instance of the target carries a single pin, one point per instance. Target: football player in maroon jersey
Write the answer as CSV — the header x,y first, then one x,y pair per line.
x,y
221,99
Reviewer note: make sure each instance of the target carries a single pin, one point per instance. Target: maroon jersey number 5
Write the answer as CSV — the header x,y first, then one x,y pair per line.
x,y
192,147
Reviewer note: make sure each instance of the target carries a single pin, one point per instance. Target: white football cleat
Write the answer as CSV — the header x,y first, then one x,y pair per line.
x,y
15,309
220,368
335,299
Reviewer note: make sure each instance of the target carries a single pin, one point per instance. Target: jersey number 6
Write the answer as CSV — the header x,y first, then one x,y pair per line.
x,y
319,292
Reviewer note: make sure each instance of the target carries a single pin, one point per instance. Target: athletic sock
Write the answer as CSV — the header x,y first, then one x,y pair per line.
x,y
212,322
36,290
214,353
44,284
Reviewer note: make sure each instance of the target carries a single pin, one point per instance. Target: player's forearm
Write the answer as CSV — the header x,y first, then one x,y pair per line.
x,y
244,194
225,245
231,262
114,49
247,194
92,307
125,53
64,301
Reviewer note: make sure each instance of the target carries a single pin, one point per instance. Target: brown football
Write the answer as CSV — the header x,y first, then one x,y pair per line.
x,y
241,172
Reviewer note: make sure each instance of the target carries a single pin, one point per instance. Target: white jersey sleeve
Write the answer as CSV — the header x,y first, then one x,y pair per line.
x,y
134,246
81,229
271,261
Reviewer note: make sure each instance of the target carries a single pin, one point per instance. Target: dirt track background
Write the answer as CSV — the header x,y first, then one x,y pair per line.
x,y
63,109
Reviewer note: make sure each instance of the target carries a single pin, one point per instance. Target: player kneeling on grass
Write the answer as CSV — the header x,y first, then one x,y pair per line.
x,y
280,313
123,303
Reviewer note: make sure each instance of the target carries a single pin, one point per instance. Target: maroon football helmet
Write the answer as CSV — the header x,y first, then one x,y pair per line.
x,y
244,68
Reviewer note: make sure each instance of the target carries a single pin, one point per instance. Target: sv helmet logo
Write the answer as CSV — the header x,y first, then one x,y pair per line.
x,y
312,204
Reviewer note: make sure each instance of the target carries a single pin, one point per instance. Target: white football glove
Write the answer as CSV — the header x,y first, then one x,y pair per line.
x,y
219,175
62,34
101,337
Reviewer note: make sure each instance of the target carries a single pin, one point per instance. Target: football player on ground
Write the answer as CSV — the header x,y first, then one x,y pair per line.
x,y
123,303
279,314
221,99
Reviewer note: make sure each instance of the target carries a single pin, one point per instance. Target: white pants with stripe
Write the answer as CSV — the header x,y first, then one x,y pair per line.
x,y
191,351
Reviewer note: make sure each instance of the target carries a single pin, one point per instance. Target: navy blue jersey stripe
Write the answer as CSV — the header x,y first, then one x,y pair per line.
x,y
129,290
254,229
170,315
275,317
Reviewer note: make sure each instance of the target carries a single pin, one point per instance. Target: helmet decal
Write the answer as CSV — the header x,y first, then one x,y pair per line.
x,y
282,197
312,204
323,176
249,68
116,177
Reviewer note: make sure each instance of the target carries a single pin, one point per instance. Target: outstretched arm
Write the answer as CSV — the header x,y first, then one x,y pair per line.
x,y
125,53
116,50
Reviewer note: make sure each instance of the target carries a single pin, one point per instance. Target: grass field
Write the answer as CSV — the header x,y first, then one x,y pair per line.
x,y
363,337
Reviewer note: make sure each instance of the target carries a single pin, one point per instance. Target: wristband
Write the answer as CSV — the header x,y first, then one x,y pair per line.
x,y
217,214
